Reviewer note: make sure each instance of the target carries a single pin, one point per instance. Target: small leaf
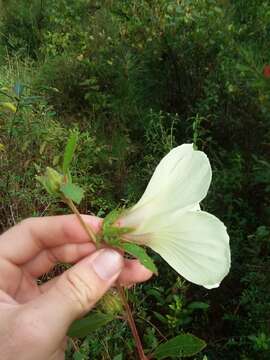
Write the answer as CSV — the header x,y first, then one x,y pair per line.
x,y
72,191
83,327
183,345
198,305
118,357
69,150
78,356
160,317
141,254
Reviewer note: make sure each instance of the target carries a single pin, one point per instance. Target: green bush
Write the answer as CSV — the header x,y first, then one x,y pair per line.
x,y
137,78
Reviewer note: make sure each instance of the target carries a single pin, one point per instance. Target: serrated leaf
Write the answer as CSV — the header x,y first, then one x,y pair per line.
x,y
83,327
141,255
73,192
69,150
183,345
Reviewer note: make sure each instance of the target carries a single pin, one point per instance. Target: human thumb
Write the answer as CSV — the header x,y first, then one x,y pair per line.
x,y
78,289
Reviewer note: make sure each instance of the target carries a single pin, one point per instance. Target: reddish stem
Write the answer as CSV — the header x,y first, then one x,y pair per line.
x,y
121,291
132,324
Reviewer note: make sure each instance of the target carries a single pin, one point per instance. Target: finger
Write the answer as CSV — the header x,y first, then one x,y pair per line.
x,y
48,258
134,272
25,240
76,291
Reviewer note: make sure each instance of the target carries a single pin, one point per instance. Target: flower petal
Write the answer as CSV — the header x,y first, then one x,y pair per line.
x,y
196,245
180,181
165,169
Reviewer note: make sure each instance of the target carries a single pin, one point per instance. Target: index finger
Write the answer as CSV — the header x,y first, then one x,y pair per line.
x,y
25,240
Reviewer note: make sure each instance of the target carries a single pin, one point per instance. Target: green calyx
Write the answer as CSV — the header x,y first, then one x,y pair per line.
x,y
113,236
111,233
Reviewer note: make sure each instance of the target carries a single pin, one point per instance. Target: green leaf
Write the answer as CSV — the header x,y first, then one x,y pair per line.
x,y
73,192
198,305
83,327
183,345
160,317
118,357
141,254
69,150
78,356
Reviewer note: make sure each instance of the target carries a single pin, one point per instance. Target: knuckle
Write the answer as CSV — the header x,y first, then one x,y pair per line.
x,y
83,292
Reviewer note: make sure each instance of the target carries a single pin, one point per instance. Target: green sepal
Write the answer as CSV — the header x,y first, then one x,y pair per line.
x,y
141,255
111,233
111,218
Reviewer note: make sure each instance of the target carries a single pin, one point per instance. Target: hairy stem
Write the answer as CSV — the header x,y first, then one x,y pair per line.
x,y
86,227
131,322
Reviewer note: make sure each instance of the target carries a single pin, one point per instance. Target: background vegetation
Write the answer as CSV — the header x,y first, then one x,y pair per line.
x,y
137,78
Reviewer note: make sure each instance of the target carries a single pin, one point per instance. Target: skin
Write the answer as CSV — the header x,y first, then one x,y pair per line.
x,y
35,318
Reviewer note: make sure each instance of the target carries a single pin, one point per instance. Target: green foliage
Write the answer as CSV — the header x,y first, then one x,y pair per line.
x,y
184,345
22,24
137,78
90,323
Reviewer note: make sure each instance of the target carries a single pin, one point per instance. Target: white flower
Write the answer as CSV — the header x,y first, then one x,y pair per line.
x,y
168,218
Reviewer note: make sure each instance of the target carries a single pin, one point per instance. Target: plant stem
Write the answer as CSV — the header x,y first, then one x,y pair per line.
x,y
131,322
86,227
121,291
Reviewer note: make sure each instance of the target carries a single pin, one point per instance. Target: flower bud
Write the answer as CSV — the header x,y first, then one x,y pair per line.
x,y
111,303
51,180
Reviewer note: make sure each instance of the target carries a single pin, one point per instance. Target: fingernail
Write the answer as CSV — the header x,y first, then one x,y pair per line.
x,y
107,264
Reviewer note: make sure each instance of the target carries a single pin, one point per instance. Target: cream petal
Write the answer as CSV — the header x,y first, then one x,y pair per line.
x,y
196,245
179,183
180,155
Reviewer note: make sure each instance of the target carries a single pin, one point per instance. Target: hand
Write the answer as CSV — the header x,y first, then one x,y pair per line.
x,y
35,318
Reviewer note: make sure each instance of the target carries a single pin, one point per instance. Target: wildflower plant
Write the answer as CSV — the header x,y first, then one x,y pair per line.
x,y
168,219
